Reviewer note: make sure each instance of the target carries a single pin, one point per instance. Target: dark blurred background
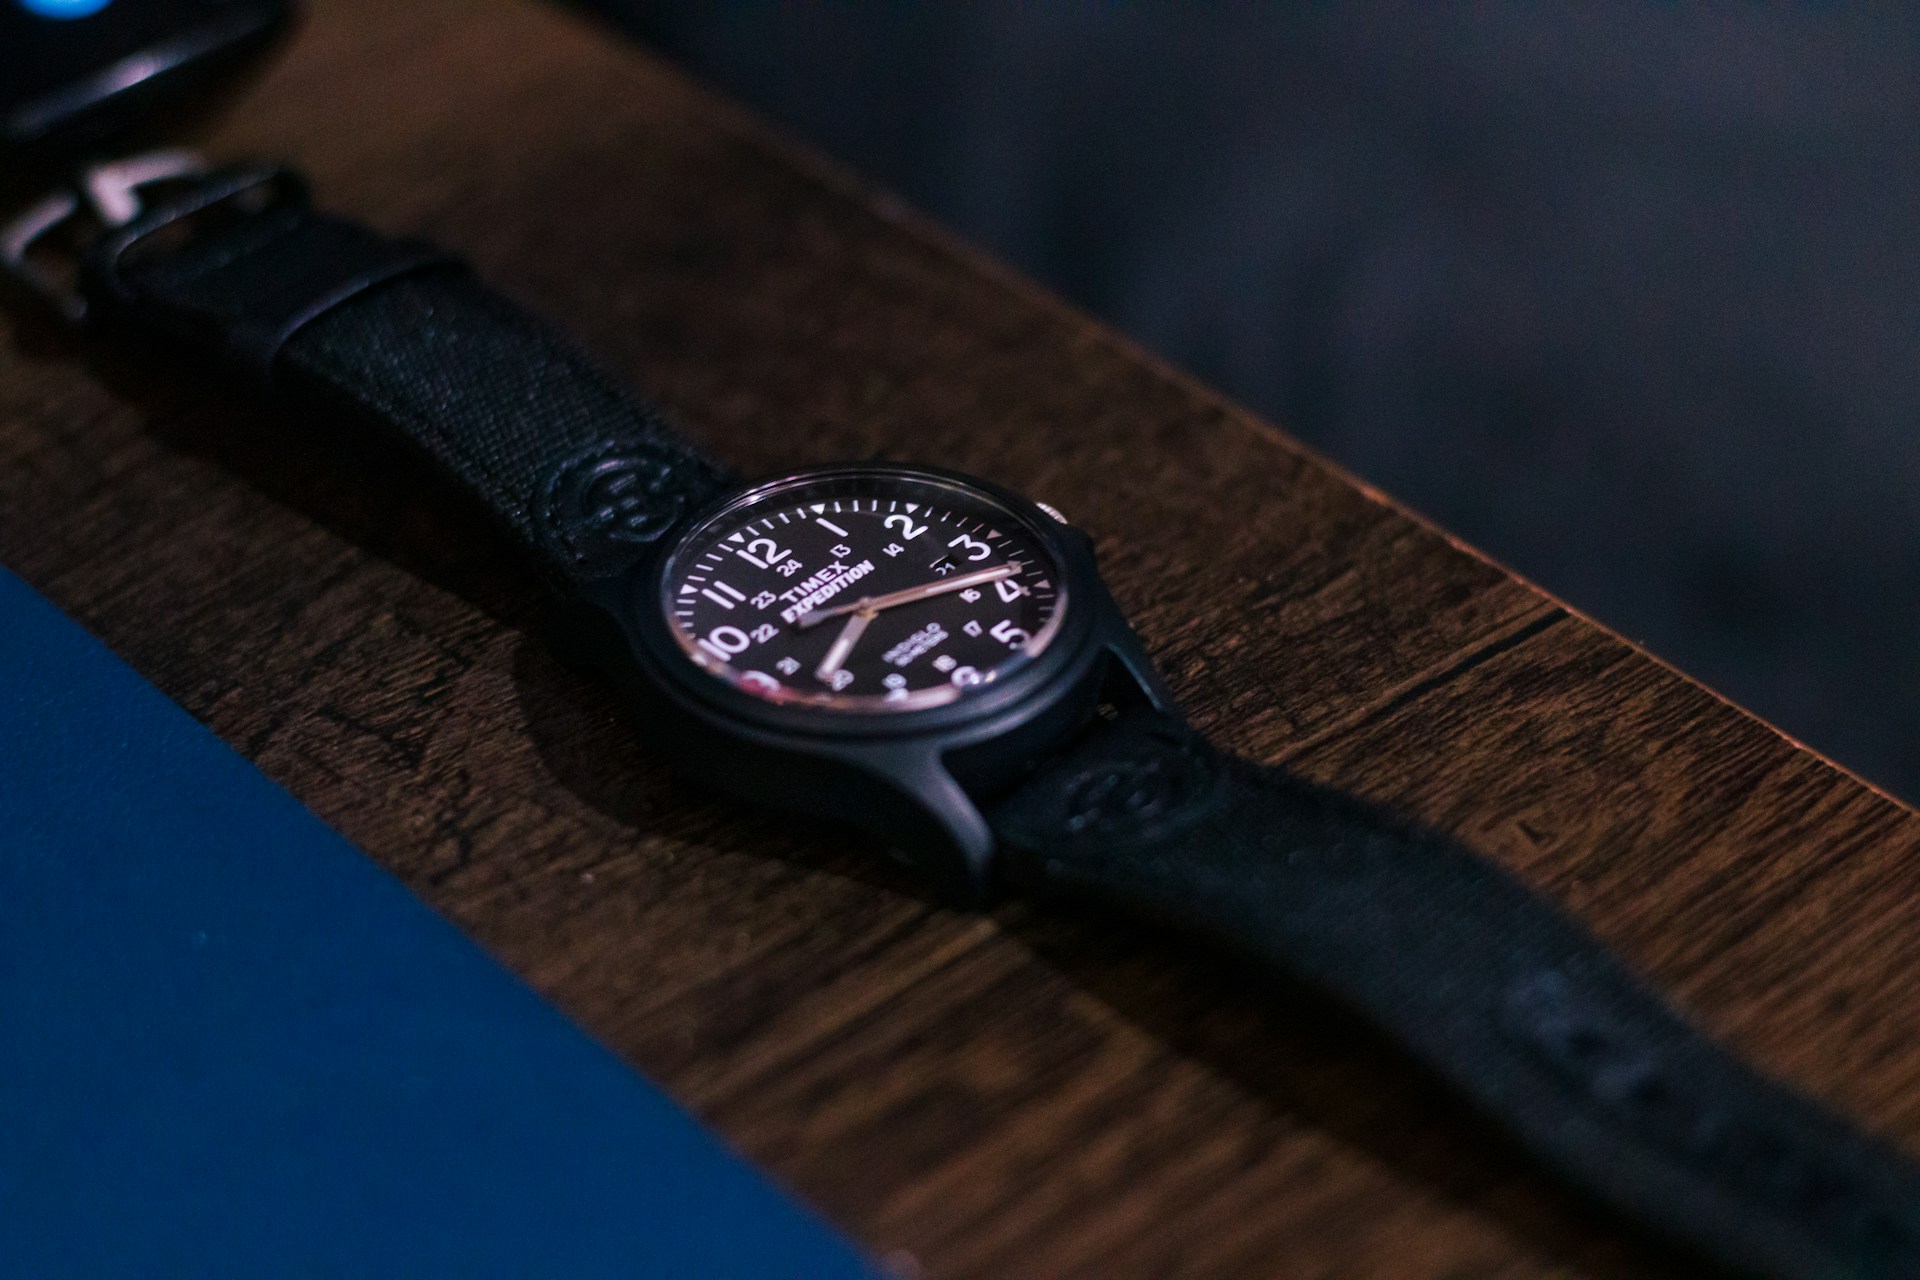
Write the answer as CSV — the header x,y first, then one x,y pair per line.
x,y
1624,294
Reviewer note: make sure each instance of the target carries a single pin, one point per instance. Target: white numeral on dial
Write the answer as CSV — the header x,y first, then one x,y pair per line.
x,y
976,549
722,594
724,642
763,553
907,528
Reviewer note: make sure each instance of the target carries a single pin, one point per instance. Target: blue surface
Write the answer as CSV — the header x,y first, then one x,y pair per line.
x,y
230,1045
64,8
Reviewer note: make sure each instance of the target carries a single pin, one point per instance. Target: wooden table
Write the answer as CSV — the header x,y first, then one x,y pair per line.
x,y
1010,1096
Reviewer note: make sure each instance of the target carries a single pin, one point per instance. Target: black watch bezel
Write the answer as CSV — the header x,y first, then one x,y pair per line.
x,y
1070,553
911,777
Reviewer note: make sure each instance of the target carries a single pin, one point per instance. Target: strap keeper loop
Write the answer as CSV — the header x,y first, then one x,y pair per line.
x,y
281,266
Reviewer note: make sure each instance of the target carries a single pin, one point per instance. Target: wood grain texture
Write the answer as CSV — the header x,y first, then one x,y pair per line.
x,y
1009,1096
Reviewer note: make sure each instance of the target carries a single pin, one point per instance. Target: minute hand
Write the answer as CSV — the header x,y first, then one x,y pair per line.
x,y
907,595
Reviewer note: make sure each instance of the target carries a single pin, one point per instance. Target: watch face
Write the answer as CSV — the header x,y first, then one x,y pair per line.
x,y
869,590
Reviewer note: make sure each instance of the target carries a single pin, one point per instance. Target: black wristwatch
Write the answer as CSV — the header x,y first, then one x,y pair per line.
x,y
935,659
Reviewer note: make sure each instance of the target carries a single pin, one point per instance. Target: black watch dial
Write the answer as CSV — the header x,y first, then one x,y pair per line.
x,y
878,589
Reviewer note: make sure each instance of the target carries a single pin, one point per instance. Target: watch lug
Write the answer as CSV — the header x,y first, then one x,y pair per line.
x,y
1132,666
1132,663
934,827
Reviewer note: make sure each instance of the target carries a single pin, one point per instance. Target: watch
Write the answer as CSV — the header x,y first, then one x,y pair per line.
x,y
934,659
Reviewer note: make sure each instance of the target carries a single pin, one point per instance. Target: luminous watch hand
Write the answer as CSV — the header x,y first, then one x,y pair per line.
x,y
842,646
938,587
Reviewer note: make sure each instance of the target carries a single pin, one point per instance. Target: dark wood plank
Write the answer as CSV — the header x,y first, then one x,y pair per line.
x,y
1016,1095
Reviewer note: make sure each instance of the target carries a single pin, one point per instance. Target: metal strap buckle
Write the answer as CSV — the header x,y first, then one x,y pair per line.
x,y
103,197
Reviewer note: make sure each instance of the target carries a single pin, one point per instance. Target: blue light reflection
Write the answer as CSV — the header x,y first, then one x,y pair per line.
x,y
64,8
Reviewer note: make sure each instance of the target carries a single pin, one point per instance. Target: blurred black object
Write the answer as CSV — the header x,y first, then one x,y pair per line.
x,y
80,74
1625,294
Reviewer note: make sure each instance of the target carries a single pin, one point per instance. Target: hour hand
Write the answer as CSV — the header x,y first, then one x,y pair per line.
x,y
842,646
907,595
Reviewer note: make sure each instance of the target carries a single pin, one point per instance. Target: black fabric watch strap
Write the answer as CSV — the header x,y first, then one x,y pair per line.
x,y
1489,984
333,315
